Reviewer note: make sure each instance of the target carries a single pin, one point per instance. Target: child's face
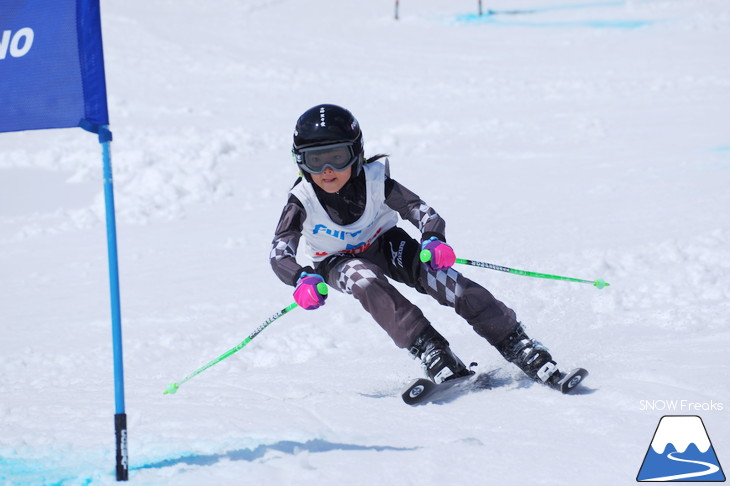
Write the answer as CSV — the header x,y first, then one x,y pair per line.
x,y
331,180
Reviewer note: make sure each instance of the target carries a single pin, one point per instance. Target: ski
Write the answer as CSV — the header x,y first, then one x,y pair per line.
x,y
423,390
570,381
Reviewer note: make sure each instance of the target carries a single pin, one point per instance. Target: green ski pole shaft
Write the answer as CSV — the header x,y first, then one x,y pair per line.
x,y
173,387
599,283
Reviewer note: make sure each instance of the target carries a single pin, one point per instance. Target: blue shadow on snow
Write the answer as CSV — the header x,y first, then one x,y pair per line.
x,y
21,472
286,446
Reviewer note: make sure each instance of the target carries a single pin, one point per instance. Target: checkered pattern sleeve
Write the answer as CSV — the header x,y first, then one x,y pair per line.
x,y
412,208
286,239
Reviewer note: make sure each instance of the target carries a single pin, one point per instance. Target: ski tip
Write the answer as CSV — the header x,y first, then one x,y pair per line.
x,y
171,389
571,381
423,391
416,391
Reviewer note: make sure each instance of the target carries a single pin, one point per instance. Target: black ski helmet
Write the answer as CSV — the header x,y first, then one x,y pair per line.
x,y
324,125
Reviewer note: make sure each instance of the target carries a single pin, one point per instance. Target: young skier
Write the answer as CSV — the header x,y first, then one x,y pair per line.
x,y
346,207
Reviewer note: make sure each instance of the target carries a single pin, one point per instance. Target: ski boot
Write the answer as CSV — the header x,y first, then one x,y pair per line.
x,y
440,362
530,356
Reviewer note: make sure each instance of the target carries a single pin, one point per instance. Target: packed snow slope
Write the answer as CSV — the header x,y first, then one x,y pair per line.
x,y
587,139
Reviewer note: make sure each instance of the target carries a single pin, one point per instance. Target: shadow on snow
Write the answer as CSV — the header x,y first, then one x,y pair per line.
x,y
285,446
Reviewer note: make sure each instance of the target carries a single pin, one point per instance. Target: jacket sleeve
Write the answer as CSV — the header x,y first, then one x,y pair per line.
x,y
412,208
283,256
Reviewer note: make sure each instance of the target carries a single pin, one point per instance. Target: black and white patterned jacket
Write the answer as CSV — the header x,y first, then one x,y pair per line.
x,y
346,207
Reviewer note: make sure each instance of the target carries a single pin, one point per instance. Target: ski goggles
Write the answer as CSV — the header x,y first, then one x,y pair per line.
x,y
337,157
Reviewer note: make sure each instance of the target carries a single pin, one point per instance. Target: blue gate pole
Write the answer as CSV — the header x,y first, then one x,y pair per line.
x,y
120,416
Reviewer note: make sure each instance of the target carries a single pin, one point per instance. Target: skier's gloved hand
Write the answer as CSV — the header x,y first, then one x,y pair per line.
x,y
436,254
311,291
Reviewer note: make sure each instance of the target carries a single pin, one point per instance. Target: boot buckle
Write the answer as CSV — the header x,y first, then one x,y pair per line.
x,y
546,371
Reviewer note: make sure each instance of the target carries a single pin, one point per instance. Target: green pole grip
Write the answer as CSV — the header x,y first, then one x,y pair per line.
x,y
322,288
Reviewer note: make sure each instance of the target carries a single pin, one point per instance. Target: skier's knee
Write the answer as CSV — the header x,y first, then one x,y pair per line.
x,y
356,276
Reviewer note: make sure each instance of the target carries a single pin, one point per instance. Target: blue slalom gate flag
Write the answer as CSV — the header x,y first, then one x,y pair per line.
x,y
52,76
51,65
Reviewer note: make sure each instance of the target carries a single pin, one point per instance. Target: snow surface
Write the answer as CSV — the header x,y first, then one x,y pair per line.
x,y
587,139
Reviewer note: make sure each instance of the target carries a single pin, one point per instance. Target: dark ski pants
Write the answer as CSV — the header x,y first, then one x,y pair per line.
x,y
396,255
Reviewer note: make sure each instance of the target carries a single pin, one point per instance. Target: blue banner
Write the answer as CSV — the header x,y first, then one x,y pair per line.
x,y
51,65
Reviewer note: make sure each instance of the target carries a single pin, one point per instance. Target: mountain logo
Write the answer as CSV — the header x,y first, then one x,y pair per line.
x,y
680,451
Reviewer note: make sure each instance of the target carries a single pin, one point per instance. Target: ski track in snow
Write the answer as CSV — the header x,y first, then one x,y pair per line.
x,y
584,139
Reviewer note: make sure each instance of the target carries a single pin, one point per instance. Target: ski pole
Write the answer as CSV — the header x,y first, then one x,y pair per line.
x,y
173,387
599,283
